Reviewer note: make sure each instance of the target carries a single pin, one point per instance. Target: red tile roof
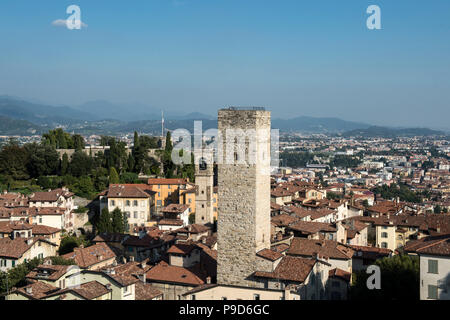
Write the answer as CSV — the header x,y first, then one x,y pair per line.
x,y
86,257
322,248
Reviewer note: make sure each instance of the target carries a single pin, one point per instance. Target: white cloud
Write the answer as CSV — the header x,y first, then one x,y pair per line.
x,y
62,23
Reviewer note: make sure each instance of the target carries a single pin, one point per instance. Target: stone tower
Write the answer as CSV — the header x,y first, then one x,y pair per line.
x,y
243,193
204,187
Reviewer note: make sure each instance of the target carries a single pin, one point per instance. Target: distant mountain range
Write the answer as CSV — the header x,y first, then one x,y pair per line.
x,y
375,131
20,117
317,125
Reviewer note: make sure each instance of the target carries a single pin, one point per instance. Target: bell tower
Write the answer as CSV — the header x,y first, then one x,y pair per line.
x,y
204,187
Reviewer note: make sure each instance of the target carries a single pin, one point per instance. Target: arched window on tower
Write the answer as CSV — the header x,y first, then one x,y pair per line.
x,y
202,164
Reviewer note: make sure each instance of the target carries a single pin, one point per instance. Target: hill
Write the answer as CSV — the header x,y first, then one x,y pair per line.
x,y
12,127
383,132
317,125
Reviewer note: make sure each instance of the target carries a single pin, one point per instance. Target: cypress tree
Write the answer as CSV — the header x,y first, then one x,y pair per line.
x,y
117,221
105,223
64,164
113,176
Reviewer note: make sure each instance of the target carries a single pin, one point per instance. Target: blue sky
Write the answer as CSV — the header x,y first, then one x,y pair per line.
x,y
314,58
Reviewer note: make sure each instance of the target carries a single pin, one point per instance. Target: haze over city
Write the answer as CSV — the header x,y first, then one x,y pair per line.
x,y
294,57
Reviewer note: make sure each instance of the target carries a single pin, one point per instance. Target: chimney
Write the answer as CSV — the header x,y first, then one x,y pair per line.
x,y
208,280
143,277
29,290
131,258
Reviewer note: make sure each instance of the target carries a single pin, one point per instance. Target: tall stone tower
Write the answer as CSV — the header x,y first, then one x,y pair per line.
x,y
243,193
204,187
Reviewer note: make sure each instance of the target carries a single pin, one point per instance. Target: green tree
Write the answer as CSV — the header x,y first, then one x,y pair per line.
x,y
43,160
64,164
169,145
437,209
13,162
16,277
126,226
117,221
104,224
78,142
399,280
113,176
81,164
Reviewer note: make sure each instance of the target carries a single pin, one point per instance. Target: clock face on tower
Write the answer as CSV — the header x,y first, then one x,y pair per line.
x,y
202,164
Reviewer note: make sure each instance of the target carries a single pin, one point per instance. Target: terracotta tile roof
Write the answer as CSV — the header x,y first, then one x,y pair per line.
x,y
166,181
433,245
10,226
181,248
44,230
311,227
290,269
90,290
46,211
164,272
171,222
319,213
145,291
129,191
175,208
86,257
269,254
47,272
370,252
17,247
146,241
193,228
36,290
297,211
339,273
50,196
282,247
322,248
283,220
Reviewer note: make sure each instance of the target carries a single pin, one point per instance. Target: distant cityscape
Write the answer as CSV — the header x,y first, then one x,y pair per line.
x,y
103,217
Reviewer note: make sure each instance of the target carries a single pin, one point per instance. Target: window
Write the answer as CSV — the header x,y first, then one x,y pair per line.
x,y
193,297
384,235
159,194
159,186
13,263
432,292
135,203
190,200
256,297
113,203
384,227
126,290
128,203
135,215
159,203
432,266
384,244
